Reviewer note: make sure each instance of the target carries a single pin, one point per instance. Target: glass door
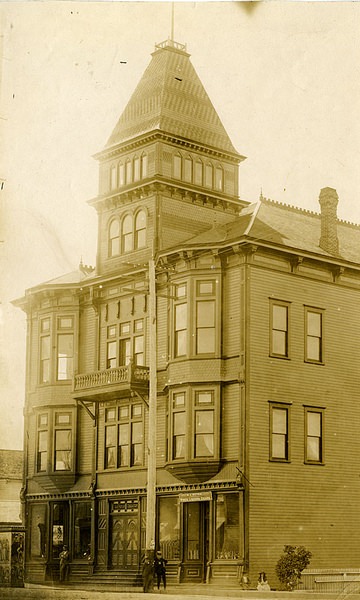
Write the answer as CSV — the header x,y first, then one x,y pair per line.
x,y
196,540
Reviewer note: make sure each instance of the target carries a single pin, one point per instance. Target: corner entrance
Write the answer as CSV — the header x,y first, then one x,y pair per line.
x,y
195,541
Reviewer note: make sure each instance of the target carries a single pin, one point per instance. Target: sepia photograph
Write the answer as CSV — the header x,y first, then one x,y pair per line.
x,y
179,299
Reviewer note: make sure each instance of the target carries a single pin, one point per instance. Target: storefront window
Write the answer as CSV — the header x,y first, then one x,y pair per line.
x,y
38,538
82,530
227,527
59,528
169,528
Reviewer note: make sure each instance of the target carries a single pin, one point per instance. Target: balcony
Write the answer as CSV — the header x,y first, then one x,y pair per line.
x,y
110,384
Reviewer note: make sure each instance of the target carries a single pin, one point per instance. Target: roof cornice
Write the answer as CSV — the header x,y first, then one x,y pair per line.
x,y
159,135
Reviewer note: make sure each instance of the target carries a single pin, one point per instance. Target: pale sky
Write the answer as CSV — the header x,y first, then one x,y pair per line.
x,y
283,77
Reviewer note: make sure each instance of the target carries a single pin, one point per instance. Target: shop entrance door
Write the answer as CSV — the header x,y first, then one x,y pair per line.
x,y
124,542
196,541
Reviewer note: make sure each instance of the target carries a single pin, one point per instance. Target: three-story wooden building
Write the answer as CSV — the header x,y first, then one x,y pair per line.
x,y
258,412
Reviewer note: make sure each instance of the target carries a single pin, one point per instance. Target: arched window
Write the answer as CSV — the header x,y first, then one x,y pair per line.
x,y
188,169
114,238
219,178
136,168
177,166
128,171
208,175
140,229
127,234
198,173
121,174
144,165
113,177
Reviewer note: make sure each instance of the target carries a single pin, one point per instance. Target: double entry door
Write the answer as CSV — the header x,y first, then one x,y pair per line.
x,y
195,541
124,541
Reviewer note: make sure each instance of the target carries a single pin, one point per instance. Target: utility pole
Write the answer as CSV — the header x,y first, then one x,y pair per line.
x,y
151,471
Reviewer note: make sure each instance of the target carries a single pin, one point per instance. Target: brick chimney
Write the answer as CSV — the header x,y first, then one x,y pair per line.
x,y
328,200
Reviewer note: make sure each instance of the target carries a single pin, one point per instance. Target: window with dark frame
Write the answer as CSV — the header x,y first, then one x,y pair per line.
x,y
279,433
45,346
63,441
124,436
42,442
114,238
279,329
313,335
314,438
205,317
180,320
65,348
204,424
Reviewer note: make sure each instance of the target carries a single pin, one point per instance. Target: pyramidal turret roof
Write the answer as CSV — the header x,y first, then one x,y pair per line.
x,y
170,97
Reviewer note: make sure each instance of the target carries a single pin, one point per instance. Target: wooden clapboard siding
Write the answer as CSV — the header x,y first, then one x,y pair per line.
x,y
231,422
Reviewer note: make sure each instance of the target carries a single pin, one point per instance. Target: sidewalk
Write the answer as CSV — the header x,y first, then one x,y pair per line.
x,y
175,592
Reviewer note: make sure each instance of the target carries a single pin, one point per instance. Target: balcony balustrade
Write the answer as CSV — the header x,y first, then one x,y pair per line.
x,y
111,383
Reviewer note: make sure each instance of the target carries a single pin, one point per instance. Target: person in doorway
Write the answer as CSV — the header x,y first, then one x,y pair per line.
x,y
64,563
160,569
263,585
147,573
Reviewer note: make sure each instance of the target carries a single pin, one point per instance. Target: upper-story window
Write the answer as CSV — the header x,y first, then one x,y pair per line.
x,y
56,342
65,348
55,440
177,166
127,234
194,424
128,171
124,433
187,169
195,319
136,168
125,343
42,442
205,317
114,238
279,432
121,174
140,229
314,435
113,177
198,172
313,335
144,165
208,175
45,354
219,178
279,328
180,320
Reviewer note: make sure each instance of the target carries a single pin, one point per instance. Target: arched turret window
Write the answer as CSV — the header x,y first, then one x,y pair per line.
x,y
219,178
128,171
113,177
177,166
198,172
144,165
127,234
188,169
114,238
209,175
140,229
121,174
136,168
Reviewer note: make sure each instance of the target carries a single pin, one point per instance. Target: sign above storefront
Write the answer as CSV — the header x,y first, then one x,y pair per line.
x,y
195,496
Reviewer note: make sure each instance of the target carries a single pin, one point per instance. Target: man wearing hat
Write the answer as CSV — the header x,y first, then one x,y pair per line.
x,y
160,569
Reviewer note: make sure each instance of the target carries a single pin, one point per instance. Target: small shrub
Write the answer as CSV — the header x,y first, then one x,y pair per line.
x,y
291,564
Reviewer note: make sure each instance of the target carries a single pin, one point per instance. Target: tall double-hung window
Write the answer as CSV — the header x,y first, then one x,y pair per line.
x,y
314,335
279,328
195,318
56,352
55,437
124,432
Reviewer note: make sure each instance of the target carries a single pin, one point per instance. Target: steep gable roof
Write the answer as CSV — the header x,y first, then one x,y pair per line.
x,y
170,97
